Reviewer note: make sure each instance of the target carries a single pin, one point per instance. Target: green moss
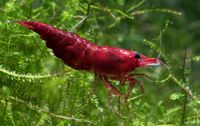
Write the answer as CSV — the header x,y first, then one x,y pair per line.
x,y
36,88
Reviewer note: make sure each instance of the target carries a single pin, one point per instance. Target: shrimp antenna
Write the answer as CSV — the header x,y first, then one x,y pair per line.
x,y
160,37
158,57
160,44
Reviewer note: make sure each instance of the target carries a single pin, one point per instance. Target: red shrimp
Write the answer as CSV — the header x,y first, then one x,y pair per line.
x,y
104,61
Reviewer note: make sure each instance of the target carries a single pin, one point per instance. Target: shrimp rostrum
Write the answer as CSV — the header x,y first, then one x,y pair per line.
x,y
104,61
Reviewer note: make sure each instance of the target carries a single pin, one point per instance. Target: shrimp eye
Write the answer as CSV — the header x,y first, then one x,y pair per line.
x,y
137,56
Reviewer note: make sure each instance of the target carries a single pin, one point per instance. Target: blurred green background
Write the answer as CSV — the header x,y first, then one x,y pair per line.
x,y
36,88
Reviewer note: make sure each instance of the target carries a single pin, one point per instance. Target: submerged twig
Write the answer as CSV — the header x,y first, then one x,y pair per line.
x,y
156,10
180,84
34,107
28,76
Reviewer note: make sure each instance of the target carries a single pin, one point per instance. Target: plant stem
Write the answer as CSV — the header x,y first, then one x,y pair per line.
x,y
185,81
